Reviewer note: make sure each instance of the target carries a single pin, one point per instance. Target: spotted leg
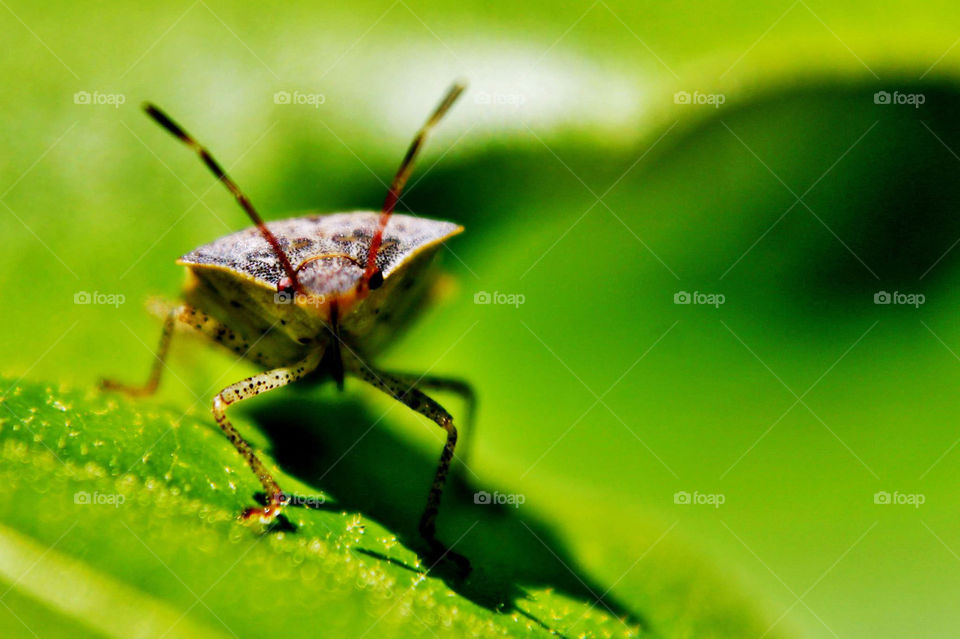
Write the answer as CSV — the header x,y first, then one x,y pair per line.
x,y
458,387
197,320
261,383
244,389
415,399
150,387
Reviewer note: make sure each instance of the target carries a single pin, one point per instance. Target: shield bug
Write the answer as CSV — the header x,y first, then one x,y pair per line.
x,y
318,293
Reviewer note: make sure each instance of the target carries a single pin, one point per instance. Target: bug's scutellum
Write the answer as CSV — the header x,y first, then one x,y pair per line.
x,y
356,280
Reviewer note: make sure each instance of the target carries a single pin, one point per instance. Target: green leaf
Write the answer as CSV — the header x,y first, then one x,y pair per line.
x,y
120,520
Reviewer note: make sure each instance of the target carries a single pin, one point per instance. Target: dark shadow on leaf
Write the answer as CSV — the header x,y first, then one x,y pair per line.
x,y
390,560
341,450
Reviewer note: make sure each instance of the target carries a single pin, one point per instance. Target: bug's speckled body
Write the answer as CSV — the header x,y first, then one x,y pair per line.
x,y
236,278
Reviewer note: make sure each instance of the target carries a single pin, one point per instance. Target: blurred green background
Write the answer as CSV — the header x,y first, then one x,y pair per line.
x,y
589,187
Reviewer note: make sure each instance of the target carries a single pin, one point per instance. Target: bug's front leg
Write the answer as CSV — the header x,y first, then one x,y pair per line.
x,y
250,387
415,399
458,387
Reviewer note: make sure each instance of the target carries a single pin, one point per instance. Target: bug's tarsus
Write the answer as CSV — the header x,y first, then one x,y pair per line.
x,y
177,131
400,180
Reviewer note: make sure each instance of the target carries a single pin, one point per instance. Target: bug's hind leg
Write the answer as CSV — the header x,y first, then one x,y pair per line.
x,y
156,371
250,387
415,399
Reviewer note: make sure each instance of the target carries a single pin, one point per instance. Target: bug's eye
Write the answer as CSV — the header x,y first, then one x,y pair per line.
x,y
376,280
285,285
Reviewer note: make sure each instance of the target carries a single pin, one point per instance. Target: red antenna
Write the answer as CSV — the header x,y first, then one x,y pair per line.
x,y
164,120
396,187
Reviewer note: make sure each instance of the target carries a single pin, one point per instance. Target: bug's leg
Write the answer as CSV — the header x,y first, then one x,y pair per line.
x,y
195,319
244,389
459,387
150,387
420,402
